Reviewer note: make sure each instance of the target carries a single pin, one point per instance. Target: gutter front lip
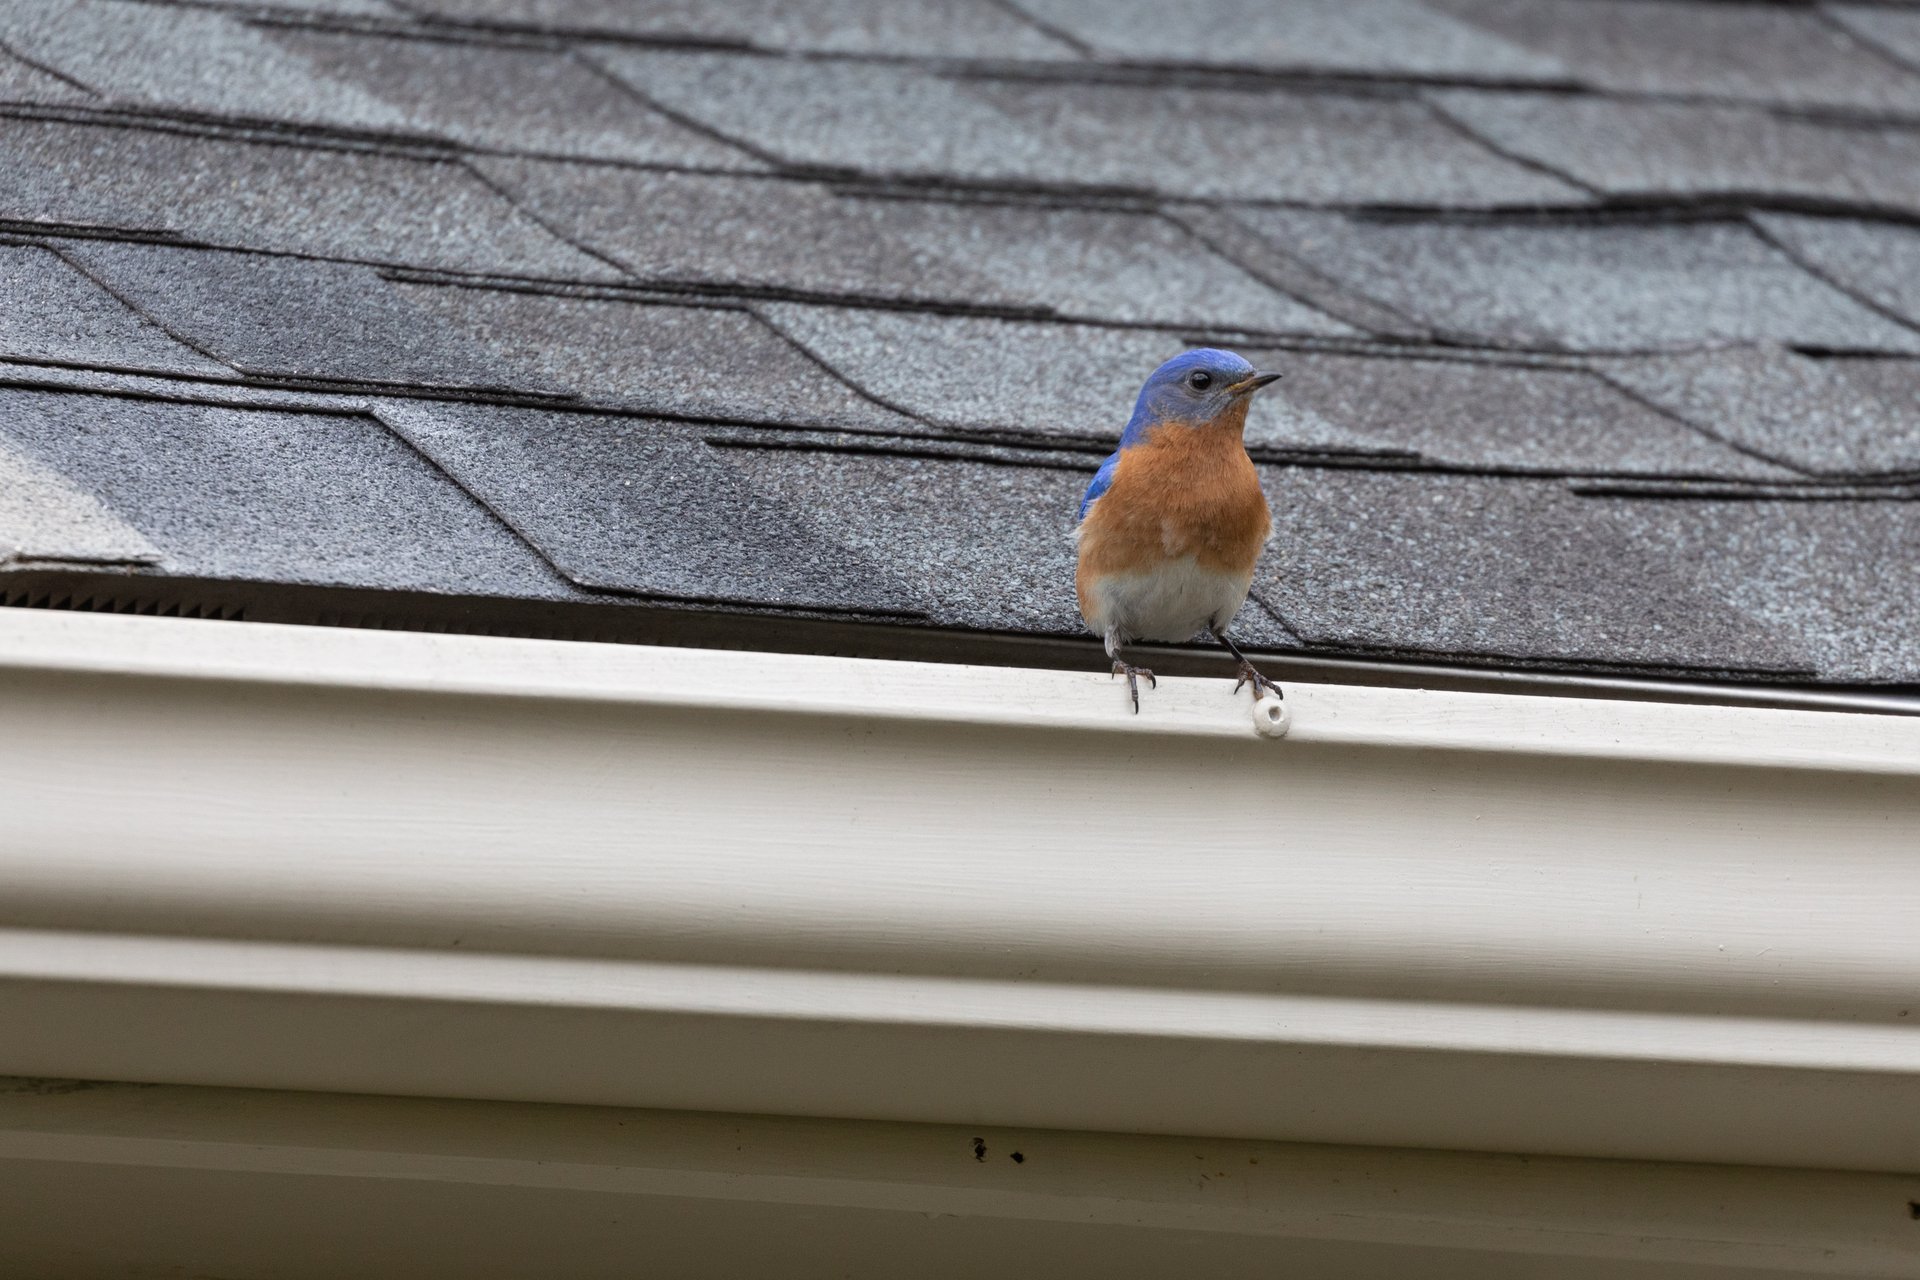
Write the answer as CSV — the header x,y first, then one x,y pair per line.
x,y
779,684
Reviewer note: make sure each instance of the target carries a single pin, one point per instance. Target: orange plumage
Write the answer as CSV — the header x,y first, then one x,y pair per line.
x,y
1185,489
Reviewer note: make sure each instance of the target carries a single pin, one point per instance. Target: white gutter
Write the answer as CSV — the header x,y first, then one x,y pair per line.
x,y
312,859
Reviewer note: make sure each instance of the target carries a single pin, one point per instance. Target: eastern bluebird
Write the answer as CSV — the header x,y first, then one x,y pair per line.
x,y
1174,521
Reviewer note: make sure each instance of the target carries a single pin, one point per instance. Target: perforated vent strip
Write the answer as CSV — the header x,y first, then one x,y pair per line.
x,y
80,602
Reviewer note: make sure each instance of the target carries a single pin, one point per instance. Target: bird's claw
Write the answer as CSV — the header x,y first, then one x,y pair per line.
x,y
1261,685
1133,674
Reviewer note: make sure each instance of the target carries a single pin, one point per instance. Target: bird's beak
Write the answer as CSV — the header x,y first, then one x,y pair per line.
x,y
1247,386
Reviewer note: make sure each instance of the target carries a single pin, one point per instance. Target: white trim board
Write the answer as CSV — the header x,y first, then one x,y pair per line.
x,y
281,857
222,1182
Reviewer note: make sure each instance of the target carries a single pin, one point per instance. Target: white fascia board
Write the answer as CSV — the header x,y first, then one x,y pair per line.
x,y
452,866
237,1182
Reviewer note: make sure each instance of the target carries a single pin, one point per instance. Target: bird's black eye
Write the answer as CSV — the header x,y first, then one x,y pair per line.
x,y
1200,380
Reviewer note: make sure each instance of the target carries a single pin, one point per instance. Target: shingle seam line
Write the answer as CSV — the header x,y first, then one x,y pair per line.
x,y
520,207
831,370
107,287
1873,47
1698,428
47,69
694,125
1463,129
1050,30
1820,273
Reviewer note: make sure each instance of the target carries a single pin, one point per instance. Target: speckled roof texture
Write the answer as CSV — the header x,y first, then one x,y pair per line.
x,y
1599,319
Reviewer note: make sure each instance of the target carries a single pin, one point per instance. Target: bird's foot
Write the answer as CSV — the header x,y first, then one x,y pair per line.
x,y
1261,685
1133,674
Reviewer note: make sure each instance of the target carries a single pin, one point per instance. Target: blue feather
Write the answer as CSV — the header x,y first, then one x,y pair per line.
x,y
1100,482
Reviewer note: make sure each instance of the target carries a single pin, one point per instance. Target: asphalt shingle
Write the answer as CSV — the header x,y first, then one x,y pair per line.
x,y
930,28
343,8
984,375
1459,413
641,506
1372,37
295,317
1457,565
1759,52
680,361
1308,147
182,58
44,517
1639,149
325,499
20,82
1077,383
1597,286
740,232
253,195
1894,30
1828,417
1314,146
979,545
851,297
49,311
1877,261
504,98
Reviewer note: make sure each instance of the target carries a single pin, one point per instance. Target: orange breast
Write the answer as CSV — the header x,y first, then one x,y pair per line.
x,y
1184,490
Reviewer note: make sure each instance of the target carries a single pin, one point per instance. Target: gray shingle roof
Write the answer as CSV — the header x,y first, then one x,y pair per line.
x,y
918,28
1599,319
1362,37
1743,50
1685,150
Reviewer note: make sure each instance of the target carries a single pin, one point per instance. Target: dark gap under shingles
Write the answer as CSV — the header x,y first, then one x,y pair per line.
x,y
19,231
1900,489
13,381
1539,663
166,388
481,27
258,130
8,379
864,187
369,24
1228,77
921,450
1011,449
47,235
593,291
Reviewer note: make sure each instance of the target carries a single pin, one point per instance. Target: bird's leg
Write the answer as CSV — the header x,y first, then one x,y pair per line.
x,y
1247,673
1133,674
1121,667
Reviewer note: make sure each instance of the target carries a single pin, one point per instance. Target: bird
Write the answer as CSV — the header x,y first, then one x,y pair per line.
x,y
1172,524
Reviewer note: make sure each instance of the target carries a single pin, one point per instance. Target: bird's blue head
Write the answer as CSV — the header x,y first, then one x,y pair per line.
x,y
1198,386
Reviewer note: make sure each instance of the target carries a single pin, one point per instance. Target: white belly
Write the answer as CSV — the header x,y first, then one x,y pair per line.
x,y
1170,603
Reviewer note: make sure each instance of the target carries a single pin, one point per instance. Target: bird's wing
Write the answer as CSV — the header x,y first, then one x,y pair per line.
x,y
1101,479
